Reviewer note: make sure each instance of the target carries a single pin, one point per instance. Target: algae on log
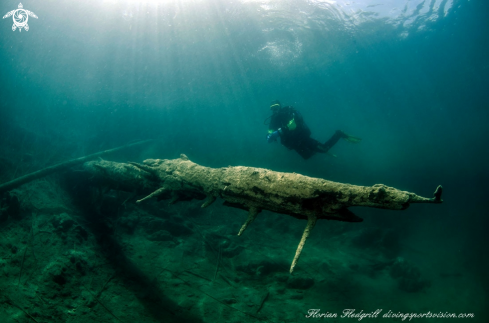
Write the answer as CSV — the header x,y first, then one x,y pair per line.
x,y
252,189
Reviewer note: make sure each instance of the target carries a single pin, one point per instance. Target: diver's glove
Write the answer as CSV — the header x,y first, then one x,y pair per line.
x,y
273,136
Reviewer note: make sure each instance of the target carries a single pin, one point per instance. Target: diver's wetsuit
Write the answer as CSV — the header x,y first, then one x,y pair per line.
x,y
295,134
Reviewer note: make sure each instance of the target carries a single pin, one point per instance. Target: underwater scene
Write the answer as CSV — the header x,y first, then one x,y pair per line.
x,y
244,161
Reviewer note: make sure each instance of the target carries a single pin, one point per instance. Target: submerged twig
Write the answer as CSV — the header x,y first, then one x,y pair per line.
x,y
96,298
10,302
263,302
218,262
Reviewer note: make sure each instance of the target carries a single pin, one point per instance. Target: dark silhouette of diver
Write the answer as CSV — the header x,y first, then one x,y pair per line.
x,y
288,124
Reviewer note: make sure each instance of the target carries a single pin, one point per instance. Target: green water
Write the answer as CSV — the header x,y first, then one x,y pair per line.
x,y
408,77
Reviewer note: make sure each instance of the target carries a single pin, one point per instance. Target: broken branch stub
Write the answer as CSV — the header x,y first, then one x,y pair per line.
x,y
253,189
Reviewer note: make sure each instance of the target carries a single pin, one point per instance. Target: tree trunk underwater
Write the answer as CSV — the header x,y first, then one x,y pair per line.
x,y
252,189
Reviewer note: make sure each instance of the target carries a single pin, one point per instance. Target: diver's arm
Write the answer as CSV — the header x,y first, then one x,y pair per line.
x,y
298,117
273,135
274,130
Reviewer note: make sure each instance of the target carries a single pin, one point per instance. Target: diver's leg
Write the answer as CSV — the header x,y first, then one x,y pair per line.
x,y
310,147
332,141
305,150
324,148
306,154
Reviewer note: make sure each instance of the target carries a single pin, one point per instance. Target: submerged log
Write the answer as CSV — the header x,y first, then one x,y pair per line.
x,y
8,186
252,189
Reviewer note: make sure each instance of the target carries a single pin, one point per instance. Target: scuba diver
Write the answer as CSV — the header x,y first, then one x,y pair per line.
x,y
288,124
